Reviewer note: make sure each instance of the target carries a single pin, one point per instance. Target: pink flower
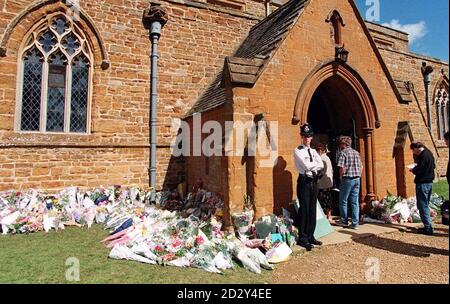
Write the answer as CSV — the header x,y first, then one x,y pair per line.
x,y
199,240
176,243
168,257
24,220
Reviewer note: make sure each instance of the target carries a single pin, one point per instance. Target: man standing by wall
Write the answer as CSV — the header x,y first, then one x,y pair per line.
x,y
350,169
424,172
308,164
448,162
445,205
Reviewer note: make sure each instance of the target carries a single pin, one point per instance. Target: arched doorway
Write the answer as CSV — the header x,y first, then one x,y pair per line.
x,y
335,101
335,110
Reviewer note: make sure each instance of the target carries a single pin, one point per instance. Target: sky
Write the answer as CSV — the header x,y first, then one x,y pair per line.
x,y
427,22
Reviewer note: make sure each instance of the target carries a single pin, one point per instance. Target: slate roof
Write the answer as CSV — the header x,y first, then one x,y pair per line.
x,y
267,35
248,62
254,53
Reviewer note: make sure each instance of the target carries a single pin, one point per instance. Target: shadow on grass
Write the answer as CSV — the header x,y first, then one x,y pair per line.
x,y
395,246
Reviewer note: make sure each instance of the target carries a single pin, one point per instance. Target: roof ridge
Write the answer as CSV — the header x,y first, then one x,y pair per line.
x,y
260,44
276,13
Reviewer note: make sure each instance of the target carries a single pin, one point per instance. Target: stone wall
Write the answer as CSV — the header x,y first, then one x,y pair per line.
x,y
307,47
53,168
193,45
406,66
194,42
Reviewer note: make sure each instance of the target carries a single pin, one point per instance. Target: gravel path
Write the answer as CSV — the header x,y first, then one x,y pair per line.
x,y
401,257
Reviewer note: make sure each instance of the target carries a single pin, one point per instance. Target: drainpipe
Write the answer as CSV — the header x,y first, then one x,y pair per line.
x,y
155,17
267,7
426,72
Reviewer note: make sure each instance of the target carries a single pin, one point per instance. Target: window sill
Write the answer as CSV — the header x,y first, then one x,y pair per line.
x,y
68,140
50,133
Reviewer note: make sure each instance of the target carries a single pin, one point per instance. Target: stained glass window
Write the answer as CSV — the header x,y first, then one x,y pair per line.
x,y
80,82
47,41
56,57
56,93
31,90
442,111
60,25
71,44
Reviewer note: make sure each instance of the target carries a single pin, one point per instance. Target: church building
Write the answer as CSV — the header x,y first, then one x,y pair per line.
x,y
75,94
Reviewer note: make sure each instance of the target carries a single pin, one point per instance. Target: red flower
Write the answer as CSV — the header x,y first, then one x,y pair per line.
x,y
176,243
159,248
199,240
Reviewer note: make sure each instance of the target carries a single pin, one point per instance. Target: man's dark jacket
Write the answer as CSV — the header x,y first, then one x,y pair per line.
x,y
448,173
424,170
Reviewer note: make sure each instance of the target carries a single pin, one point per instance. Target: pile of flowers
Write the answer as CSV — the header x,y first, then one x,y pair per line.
x,y
395,209
187,233
27,212
175,231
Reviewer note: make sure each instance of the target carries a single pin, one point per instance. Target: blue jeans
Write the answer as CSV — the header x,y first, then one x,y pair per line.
x,y
349,191
423,195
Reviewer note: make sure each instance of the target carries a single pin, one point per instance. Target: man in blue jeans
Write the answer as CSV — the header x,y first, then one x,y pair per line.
x,y
350,169
424,172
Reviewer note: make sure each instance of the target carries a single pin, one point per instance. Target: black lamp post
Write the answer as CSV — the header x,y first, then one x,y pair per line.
x,y
155,17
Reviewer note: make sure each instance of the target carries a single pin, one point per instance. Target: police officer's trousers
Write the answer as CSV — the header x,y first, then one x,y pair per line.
x,y
307,196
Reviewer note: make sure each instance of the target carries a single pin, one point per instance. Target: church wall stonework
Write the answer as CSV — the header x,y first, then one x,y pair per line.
x,y
406,66
308,46
192,49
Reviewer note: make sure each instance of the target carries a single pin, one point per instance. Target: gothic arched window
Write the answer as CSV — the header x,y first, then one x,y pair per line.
x,y
55,78
442,110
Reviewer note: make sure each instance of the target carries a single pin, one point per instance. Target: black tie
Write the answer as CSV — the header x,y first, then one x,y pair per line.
x,y
310,155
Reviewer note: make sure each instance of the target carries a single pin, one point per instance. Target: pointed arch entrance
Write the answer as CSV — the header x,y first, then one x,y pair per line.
x,y
335,100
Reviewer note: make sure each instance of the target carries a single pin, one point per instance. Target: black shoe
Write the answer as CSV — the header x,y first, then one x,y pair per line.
x,y
305,245
316,242
426,232
309,247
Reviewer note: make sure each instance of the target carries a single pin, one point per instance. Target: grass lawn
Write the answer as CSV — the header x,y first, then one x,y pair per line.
x,y
41,258
441,188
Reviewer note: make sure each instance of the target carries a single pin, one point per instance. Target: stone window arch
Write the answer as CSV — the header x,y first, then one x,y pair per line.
x,y
55,78
442,109
336,21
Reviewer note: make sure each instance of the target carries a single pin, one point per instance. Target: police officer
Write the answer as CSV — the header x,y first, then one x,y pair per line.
x,y
309,165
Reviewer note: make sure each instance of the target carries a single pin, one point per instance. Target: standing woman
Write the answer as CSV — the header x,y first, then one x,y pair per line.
x,y
308,164
326,181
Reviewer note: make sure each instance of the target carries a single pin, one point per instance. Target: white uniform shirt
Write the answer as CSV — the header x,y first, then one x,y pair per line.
x,y
306,164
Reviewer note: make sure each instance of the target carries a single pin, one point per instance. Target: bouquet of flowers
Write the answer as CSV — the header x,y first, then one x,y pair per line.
x,y
204,259
243,221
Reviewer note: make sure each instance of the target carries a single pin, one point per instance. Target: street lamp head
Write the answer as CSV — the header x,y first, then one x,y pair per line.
x,y
155,17
341,54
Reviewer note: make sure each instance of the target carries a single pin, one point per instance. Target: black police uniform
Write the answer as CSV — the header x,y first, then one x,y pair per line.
x,y
309,165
